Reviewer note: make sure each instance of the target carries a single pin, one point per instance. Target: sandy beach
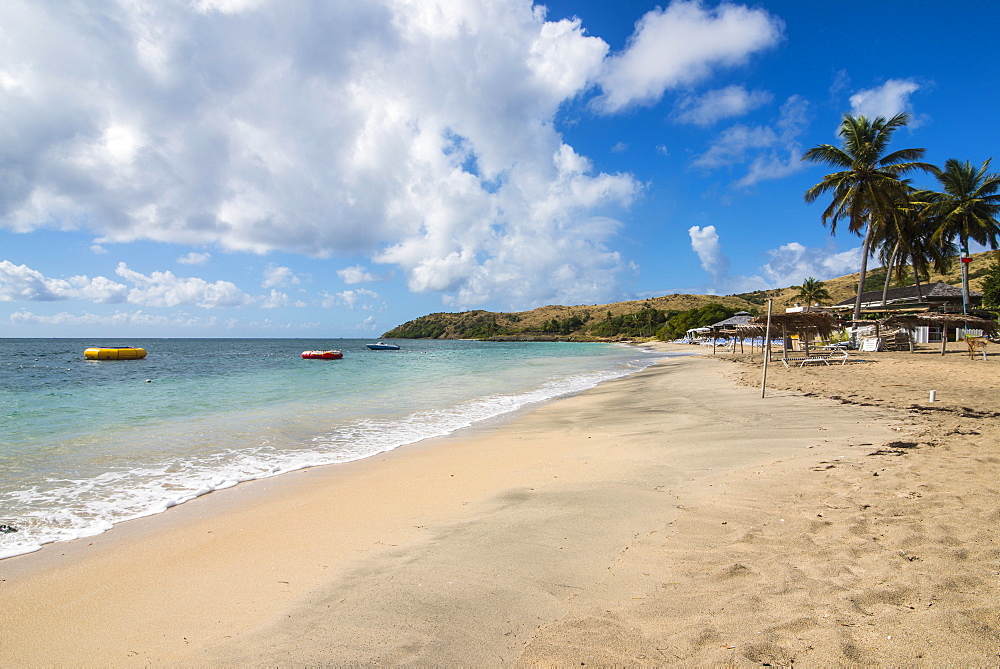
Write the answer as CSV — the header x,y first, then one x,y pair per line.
x,y
673,517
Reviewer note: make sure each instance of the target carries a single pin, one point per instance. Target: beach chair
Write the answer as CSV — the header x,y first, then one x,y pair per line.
x,y
871,344
976,345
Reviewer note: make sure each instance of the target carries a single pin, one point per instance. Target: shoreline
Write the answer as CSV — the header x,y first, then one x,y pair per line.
x,y
218,443
575,533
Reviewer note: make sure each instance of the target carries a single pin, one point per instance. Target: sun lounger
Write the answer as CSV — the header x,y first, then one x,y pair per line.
x,y
824,357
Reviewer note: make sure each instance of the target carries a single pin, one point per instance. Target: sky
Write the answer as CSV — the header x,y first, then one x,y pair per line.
x,y
333,168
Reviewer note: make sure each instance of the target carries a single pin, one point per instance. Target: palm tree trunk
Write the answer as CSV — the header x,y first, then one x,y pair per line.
x,y
888,273
965,275
916,279
863,272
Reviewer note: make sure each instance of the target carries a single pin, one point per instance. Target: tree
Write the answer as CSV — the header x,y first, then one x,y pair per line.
x,y
812,291
966,208
908,238
693,318
991,285
868,186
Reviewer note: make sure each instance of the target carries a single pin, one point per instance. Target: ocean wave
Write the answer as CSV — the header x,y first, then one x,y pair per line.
x,y
69,508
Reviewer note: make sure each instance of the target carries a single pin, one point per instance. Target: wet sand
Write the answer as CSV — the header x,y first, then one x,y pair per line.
x,y
669,518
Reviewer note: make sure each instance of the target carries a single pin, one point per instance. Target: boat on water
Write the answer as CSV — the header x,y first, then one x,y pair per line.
x,y
114,353
322,355
382,346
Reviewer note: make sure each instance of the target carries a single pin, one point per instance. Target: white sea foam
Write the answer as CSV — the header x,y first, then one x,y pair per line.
x,y
69,508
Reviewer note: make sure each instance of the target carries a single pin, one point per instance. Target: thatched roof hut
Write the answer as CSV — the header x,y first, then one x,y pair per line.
x,y
911,321
801,323
749,331
733,322
805,324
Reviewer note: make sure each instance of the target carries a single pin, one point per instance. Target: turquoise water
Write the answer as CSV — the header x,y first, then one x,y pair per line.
x,y
86,444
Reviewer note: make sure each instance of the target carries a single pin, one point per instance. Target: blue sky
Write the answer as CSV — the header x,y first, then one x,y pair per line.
x,y
256,168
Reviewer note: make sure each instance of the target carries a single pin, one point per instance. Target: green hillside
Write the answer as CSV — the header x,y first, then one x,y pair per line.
x,y
639,318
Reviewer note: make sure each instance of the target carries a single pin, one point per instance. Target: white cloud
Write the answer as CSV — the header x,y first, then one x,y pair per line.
x,y
393,150
772,151
733,145
357,274
368,323
116,320
773,165
194,258
164,289
705,242
359,298
563,59
276,275
887,100
791,263
681,45
716,105
276,299
788,264
21,283
228,6
141,323
549,232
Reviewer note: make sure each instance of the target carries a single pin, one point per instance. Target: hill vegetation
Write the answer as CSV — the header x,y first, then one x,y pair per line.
x,y
665,317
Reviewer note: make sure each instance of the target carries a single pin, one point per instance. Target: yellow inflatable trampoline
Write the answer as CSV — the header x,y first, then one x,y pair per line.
x,y
123,353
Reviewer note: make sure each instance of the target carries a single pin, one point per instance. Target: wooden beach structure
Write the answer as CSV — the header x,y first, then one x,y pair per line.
x,y
912,321
806,325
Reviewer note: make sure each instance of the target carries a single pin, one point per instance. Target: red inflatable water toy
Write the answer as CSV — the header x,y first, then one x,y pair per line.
x,y
322,355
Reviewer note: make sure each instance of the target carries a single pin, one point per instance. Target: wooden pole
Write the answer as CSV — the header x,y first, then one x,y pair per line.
x,y
767,349
784,342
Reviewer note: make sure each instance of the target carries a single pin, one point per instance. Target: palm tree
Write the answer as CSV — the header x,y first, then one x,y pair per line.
x,y
967,209
868,185
908,239
812,291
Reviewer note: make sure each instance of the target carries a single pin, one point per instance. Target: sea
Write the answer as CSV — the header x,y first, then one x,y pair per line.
x,y
86,444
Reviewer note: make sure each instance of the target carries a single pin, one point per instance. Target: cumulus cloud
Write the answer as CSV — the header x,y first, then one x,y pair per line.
x,y
889,99
164,289
357,274
21,283
194,258
791,263
681,45
393,149
716,105
705,243
276,299
359,298
276,275
159,289
787,265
